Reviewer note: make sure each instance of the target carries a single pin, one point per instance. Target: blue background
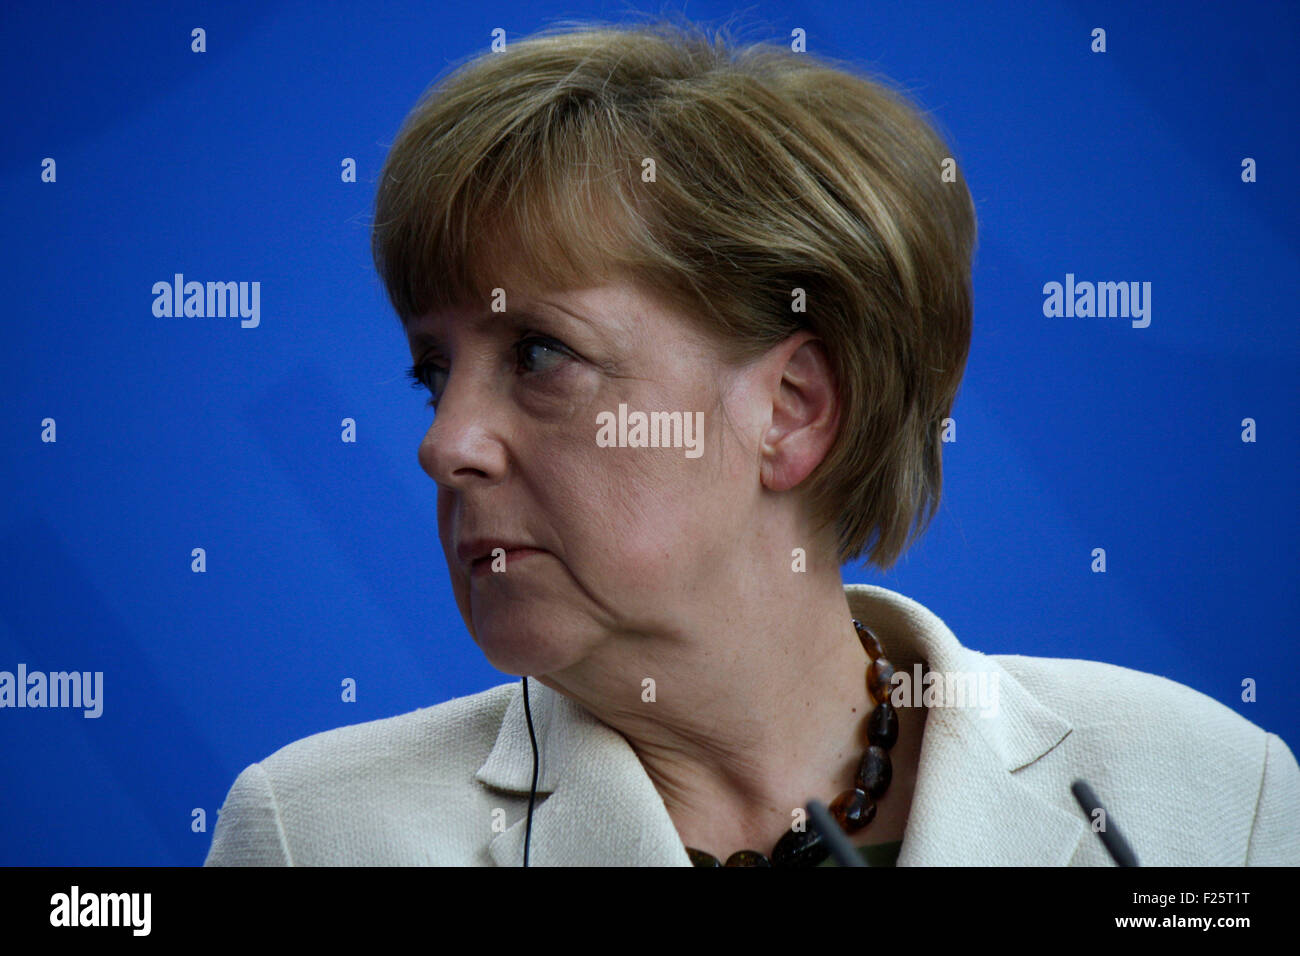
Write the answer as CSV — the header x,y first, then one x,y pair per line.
x,y
323,557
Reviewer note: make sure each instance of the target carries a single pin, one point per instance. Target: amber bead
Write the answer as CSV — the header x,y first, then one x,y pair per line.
x,y
800,848
882,725
700,858
875,771
853,810
879,679
870,643
748,858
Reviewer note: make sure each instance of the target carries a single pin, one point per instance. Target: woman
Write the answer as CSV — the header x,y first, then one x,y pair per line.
x,y
692,320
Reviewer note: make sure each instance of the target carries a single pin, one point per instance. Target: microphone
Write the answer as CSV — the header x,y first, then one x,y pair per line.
x,y
1111,839
833,835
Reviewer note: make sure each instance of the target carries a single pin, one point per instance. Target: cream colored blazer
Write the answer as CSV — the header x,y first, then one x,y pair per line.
x,y
1186,780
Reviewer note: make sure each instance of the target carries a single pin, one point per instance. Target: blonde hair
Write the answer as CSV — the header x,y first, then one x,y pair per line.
x,y
773,171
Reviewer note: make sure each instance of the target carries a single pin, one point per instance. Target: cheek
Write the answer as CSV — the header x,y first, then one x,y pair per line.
x,y
641,516
637,519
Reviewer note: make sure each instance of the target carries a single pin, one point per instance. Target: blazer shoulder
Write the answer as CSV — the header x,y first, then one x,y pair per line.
x,y
450,735
1152,741
1081,690
353,777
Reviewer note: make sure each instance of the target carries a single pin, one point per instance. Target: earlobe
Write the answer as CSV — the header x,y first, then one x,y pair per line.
x,y
780,470
769,455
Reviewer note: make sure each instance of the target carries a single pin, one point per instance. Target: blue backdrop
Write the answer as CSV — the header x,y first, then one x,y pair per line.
x,y
130,158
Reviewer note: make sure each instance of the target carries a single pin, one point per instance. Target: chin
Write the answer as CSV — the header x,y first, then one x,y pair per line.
x,y
525,642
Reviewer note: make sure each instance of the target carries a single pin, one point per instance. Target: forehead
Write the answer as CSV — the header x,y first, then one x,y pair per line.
x,y
610,313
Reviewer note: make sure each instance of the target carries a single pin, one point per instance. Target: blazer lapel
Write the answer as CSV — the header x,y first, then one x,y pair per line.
x,y
596,805
968,808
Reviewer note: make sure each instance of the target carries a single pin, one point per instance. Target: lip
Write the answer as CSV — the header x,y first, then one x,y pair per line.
x,y
471,550
483,565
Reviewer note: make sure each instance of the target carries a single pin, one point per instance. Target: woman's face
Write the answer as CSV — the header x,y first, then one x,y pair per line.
x,y
629,540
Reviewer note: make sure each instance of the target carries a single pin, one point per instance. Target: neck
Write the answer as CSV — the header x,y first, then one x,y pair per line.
x,y
759,700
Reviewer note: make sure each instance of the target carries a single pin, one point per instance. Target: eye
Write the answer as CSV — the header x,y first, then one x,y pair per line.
x,y
534,354
525,347
432,377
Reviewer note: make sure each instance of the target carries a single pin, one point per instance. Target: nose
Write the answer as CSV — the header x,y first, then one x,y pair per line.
x,y
463,445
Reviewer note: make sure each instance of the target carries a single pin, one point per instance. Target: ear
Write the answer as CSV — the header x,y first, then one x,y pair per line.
x,y
805,412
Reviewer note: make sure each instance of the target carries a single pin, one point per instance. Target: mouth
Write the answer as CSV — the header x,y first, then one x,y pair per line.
x,y
483,565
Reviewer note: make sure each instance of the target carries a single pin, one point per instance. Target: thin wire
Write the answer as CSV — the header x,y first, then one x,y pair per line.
x,y
532,797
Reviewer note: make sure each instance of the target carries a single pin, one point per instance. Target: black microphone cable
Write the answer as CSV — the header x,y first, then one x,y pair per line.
x,y
532,797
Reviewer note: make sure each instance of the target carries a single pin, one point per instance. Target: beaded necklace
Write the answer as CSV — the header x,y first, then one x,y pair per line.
x,y
854,808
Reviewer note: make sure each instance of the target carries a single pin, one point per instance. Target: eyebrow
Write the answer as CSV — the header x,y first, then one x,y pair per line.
x,y
536,313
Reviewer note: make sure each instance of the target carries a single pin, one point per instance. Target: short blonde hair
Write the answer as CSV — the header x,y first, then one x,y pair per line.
x,y
774,171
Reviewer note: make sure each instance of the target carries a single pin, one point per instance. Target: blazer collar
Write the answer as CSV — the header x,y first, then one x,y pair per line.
x,y
968,807
596,806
